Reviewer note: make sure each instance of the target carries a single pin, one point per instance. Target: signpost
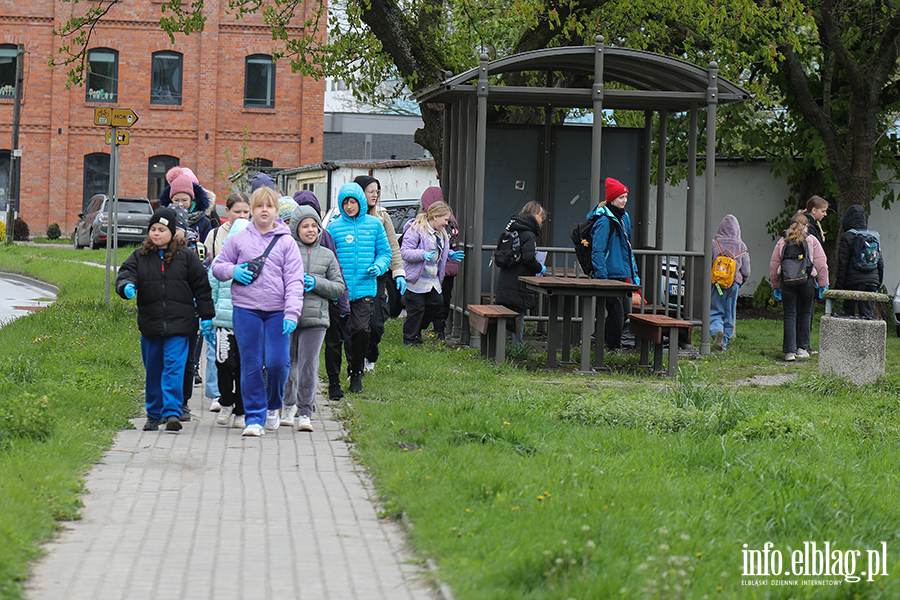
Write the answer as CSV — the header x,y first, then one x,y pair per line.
x,y
113,118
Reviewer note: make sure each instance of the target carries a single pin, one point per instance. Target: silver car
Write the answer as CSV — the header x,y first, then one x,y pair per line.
x,y
133,221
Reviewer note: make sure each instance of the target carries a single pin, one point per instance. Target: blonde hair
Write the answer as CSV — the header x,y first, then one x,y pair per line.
x,y
796,233
264,196
534,208
436,210
816,202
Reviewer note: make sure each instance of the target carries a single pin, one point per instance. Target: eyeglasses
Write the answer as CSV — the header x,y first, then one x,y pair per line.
x,y
185,201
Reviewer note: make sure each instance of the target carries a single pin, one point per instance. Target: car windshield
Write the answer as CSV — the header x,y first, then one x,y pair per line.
x,y
135,207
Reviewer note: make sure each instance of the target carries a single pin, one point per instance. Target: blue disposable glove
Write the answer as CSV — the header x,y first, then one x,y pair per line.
x,y
242,274
210,337
401,284
457,255
206,325
130,290
288,327
373,270
543,269
824,289
429,256
777,294
309,282
637,280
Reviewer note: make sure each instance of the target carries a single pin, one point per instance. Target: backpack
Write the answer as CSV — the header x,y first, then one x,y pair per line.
x,y
724,268
796,265
583,238
866,250
509,250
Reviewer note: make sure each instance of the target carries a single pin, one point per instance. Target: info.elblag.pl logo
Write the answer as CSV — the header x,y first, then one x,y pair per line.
x,y
813,560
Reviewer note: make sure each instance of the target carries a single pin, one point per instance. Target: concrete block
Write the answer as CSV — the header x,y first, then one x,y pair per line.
x,y
852,348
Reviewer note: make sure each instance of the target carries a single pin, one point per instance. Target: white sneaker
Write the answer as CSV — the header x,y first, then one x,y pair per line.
x,y
303,423
253,430
214,405
368,366
790,357
272,420
287,415
224,415
239,422
802,353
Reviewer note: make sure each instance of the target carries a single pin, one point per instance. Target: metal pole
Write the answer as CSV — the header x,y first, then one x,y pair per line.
x,y
660,226
109,212
597,127
689,242
478,210
712,99
12,200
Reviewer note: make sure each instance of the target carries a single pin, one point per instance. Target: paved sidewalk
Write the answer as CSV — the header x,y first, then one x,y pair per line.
x,y
206,513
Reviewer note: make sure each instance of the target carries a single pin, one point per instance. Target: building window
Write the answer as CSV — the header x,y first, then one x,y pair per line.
x,y
102,75
165,78
96,176
158,166
8,54
259,82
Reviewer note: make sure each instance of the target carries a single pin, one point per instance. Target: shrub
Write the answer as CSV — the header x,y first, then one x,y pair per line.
x,y
54,232
2,231
763,297
25,417
20,231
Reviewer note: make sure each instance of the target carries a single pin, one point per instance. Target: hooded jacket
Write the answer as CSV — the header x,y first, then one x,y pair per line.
x,y
280,282
361,242
611,251
197,219
307,198
415,244
429,197
848,276
322,264
729,239
511,292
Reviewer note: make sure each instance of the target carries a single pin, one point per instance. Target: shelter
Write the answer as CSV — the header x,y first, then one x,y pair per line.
x,y
645,81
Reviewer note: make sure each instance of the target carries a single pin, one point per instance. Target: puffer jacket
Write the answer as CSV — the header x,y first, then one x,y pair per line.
x,y
322,264
729,239
511,292
429,197
361,242
280,282
221,295
415,244
848,276
166,295
307,198
396,260
611,251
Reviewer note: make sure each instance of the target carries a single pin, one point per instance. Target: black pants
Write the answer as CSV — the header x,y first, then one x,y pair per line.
x,y
360,323
865,307
440,322
189,369
421,309
616,309
229,374
380,313
334,342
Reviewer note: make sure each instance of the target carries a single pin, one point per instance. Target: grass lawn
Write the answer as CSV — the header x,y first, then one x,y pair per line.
x,y
519,483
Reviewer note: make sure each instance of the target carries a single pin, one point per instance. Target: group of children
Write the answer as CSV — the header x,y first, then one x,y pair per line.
x,y
277,287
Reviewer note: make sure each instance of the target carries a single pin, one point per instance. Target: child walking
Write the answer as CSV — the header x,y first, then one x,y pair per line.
x,y
171,288
723,302
266,307
322,282
855,274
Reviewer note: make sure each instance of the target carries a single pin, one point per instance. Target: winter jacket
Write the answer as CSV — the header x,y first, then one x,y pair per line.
x,y
511,292
396,261
820,262
221,295
813,227
322,264
848,276
429,197
166,294
307,198
415,244
361,242
611,251
197,219
729,239
280,282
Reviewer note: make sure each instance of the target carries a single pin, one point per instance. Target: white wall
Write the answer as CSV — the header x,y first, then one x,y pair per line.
x,y
396,182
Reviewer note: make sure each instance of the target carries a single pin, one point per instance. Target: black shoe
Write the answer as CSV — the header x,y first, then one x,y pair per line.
x,y
152,424
173,423
185,414
335,392
197,379
356,383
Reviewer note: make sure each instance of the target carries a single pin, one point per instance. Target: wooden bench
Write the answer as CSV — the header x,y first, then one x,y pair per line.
x,y
492,320
651,329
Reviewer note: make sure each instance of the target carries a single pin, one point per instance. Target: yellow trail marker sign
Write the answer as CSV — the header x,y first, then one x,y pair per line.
x,y
115,117
121,138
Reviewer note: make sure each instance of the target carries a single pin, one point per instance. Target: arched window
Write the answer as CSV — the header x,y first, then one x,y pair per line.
x,y
8,54
165,77
156,174
259,81
96,176
102,75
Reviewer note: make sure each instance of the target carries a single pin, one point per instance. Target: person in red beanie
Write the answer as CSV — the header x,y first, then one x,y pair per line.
x,y
612,255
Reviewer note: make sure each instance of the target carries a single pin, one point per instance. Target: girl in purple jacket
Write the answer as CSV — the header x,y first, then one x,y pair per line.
x,y
425,251
266,309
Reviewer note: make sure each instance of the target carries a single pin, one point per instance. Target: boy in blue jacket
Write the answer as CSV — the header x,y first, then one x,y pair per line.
x,y
364,254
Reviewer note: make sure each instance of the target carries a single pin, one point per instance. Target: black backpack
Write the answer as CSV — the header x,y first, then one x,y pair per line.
x,y
796,264
509,250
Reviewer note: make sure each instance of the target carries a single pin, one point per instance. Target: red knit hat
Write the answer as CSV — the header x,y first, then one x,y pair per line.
x,y
614,189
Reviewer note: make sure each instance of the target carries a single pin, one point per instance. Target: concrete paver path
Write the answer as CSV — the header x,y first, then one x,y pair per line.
x,y
205,513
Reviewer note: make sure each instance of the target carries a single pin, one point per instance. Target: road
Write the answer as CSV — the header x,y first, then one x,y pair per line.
x,y
20,296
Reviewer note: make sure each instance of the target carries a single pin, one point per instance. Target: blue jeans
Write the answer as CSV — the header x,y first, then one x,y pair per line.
x,y
261,343
798,311
211,380
165,359
722,309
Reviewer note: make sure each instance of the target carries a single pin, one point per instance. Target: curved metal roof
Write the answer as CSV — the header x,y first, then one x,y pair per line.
x,y
658,81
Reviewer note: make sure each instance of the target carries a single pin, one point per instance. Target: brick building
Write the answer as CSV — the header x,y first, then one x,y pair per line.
x,y
204,102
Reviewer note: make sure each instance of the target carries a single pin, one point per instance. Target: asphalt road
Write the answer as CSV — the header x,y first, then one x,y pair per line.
x,y
20,296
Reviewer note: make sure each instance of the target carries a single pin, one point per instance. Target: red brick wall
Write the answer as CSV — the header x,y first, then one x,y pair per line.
x,y
57,129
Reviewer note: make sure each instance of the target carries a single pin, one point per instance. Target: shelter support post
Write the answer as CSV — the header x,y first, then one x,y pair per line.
x,y
597,127
712,99
478,209
659,226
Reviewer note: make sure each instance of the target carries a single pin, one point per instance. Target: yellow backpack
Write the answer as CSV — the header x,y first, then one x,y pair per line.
x,y
723,269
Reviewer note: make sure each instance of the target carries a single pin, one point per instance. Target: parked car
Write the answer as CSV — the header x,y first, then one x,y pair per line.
x,y
92,228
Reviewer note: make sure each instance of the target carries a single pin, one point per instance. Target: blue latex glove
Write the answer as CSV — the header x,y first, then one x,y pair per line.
x,y
242,274
429,256
401,284
288,327
777,294
206,325
822,290
130,290
309,282
457,255
210,337
543,269
637,280
373,270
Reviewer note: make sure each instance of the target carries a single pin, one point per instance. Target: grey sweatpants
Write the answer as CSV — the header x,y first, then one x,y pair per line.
x,y
304,376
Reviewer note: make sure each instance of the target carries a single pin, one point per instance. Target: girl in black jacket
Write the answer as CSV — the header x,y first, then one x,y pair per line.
x,y
848,276
511,292
171,286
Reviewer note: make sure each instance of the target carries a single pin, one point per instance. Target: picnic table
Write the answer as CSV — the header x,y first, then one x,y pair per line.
x,y
562,293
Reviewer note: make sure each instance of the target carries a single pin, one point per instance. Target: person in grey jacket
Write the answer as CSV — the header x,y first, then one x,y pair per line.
x,y
322,283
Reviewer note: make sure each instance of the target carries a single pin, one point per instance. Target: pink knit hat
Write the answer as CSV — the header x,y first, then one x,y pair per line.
x,y
614,189
182,184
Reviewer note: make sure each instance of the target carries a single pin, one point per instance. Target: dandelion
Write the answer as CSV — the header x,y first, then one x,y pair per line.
x,y
468,511
585,527
506,422
514,509
540,497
